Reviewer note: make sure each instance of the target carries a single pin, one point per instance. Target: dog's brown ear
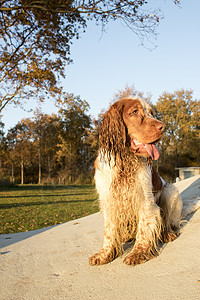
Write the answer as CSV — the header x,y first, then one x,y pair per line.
x,y
112,134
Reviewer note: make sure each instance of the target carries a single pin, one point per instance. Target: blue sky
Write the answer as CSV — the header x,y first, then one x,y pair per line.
x,y
103,64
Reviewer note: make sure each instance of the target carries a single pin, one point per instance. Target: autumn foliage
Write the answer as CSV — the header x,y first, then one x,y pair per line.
x,y
36,38
61,148
51,148
180,145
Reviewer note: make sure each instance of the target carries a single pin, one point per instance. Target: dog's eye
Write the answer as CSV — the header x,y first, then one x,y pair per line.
x,y
134,112
151,113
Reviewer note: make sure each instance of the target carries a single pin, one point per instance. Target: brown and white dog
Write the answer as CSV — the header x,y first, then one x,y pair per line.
x,y
136,203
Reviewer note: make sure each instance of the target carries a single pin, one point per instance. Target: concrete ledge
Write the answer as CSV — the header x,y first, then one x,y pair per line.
x,y
52,263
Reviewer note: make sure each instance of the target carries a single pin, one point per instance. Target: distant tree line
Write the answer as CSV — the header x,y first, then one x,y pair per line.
x,y
180,146
51,148
61,149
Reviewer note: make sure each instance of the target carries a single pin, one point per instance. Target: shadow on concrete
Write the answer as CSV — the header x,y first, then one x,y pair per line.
x,y
9,239
22,204
41,187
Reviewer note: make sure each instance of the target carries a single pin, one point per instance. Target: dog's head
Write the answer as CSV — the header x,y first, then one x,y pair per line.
x,y
130,123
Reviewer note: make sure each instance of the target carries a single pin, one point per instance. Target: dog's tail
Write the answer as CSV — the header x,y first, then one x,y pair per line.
x,y
190,206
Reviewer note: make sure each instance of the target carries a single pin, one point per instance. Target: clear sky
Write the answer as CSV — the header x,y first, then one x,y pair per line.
x,y
102,64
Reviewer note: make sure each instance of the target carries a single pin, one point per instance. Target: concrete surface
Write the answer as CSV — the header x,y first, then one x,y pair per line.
x,y
52,263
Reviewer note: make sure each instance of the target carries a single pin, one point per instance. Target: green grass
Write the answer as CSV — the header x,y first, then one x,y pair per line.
x,y
29,207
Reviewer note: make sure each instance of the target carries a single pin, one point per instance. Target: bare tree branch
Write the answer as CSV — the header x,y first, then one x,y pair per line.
x,y
35,38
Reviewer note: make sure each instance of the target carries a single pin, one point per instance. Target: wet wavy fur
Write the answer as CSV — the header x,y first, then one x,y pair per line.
x,y
124,184
122,164
123,203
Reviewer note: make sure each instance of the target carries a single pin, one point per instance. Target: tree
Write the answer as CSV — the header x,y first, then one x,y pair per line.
x,y
18,148
44,132
22,146
130,91
74,153
93,139
180,113
50,142
1,142
35,46
36,37
10,153
1,130
29,149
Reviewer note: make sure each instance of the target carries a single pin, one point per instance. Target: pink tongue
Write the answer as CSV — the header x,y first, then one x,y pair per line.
x,y
152,150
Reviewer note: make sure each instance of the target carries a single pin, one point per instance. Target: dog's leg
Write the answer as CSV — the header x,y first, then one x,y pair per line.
x,y
169,236
103,178
108,251
147,236
149,224
171,207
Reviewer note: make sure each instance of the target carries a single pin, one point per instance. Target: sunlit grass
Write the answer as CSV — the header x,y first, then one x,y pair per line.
x,y
29,207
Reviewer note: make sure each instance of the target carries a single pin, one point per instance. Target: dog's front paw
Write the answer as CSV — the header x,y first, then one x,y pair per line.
x,y
169,236
96,260
103,257
137,258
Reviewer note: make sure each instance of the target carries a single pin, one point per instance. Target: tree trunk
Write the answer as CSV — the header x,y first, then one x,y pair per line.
x,y
12,173
22,171
49,166
70,176
40,166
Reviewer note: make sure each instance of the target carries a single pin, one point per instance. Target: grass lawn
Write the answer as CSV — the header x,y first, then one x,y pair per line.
x,y
28,207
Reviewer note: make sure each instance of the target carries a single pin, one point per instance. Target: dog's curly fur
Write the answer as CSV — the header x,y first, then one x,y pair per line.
x,y
136,204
